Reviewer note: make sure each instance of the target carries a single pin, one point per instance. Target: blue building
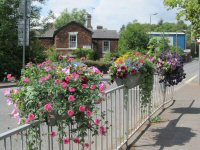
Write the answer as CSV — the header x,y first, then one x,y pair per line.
x,y
178,38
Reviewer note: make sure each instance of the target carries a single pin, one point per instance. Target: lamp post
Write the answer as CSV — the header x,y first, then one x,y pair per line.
x,y
152,15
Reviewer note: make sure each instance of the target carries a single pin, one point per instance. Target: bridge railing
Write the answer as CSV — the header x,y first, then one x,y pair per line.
x,y
123,111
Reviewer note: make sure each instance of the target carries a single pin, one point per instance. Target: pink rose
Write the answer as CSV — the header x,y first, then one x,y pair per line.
x,y
72,89
84,86
82,108
102,130
70,113
28,65
53,134
86,145
67,78
97,121
77,140
26,80
89,113
9,101
71,98
16,91
66,141
93,87
57,81
64,85
31,117
48,107
19,120
9,77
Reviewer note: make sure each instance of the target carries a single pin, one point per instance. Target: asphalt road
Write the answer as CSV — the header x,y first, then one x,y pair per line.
x,y
6,122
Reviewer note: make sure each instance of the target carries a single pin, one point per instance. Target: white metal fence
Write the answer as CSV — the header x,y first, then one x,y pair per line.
x,y
123,111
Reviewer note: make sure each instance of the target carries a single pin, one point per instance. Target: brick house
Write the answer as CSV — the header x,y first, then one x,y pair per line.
x,y
74,35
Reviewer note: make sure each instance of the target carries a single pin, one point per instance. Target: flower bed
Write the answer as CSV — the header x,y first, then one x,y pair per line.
x,y
61,89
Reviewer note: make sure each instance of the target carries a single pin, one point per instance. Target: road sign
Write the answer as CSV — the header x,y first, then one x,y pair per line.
x,y
21,32
22,7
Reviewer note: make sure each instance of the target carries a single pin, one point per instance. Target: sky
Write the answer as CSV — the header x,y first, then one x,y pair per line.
x,y
112,14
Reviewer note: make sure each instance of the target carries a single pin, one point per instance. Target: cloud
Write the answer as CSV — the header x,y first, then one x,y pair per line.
x,y
112,14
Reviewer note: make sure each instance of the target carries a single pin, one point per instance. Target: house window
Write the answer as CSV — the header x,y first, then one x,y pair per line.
x,y
73,39
106,46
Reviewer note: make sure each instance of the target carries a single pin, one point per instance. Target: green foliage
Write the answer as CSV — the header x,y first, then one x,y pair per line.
x,y
52,54
10,52
158,44
156,119
188,10
134,36
66,17
87,53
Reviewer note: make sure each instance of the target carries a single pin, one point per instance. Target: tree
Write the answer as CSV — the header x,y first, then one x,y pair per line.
x,y
66,17
10,52
48,22
134,36
188,10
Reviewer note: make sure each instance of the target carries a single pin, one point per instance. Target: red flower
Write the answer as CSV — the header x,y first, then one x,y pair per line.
x,y
137,53
53,134
134,72
141,60
77,140
84,80
86,145
66,141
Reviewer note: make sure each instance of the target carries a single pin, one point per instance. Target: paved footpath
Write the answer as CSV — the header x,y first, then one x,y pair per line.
x,y
179,128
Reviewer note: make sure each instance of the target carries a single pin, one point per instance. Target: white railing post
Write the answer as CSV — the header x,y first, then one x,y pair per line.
x,y
126,106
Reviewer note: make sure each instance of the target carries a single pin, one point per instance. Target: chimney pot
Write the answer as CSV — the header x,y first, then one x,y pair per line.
x,y
99,27
89,18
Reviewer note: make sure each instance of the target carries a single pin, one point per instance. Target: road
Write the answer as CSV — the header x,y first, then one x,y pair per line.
x,y
6,122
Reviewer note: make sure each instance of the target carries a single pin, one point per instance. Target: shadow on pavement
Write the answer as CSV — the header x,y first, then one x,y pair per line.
x,y
172,135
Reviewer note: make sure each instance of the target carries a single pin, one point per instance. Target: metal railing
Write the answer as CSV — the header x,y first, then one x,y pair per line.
x,y
123,111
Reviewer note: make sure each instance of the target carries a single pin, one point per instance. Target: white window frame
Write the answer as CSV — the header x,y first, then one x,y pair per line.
x,y
76,34
108,46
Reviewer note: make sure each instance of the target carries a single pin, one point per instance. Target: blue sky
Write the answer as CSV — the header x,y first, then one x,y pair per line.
x,y
112,14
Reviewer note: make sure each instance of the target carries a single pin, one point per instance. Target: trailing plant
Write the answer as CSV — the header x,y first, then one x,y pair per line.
x,y
70,93
170,67
135,64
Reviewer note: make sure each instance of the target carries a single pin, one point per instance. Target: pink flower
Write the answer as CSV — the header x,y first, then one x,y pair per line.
x,y
48,68
48,77
66,141
102,130
9,77
64,85
84,86
57,81
93,87
31,117
102,87
137,53
89,113
67,78
28,65
19,120
97,121
70,113
15,112
53,134
66,70
72,89
75,76
42,80
86,145
71,98
82,108
70,59
40,65
77,140
7,92
16,91
26,80
48,107
9,101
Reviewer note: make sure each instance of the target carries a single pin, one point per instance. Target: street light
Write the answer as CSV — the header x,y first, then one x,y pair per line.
x,y
152,15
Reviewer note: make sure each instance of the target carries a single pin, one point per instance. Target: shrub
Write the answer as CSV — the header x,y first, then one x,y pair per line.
x,y
52,54
87,53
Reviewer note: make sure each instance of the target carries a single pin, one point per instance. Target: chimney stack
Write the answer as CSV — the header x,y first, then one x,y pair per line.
x,y
89,18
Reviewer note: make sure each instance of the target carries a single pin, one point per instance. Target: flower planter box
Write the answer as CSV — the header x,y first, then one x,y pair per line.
x,y
130,81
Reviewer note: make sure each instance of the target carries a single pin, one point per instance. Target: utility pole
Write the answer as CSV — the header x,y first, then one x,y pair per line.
x,y
24,35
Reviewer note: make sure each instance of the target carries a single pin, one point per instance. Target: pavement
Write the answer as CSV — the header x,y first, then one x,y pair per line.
x,y
179,128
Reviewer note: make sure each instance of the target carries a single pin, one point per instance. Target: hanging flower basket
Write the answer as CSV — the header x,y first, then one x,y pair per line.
x,y
130,81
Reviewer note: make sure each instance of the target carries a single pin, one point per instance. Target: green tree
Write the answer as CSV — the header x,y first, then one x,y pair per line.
x,y
66,17
188,10
10,52
134,36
